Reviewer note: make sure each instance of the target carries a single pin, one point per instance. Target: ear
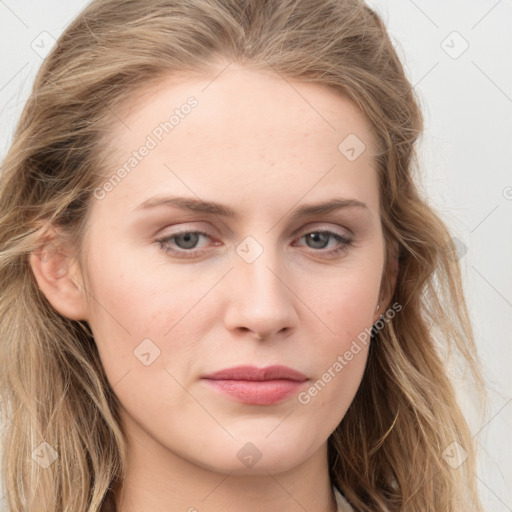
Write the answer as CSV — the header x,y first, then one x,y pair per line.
x,y
59,278
388,283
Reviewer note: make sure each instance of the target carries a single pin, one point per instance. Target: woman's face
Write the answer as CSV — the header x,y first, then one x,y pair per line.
x,y
243,278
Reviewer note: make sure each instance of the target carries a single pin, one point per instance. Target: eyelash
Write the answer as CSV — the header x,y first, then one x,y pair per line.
x,y
345,241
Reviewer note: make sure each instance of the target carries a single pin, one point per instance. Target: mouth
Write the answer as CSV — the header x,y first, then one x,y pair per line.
x,y
257,386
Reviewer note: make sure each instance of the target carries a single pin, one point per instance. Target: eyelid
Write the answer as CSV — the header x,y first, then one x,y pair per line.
x,y
348,233
318,226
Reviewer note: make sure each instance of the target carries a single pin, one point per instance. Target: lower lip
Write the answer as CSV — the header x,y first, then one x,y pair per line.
x,y
266,392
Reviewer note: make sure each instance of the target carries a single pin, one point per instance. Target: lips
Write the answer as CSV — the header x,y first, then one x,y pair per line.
x,y
257,386
258,374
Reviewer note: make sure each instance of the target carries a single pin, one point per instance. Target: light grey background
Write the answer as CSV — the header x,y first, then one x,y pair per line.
x,y
466,95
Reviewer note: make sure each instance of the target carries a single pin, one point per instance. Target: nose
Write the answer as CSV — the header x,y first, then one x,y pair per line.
x,y
260,299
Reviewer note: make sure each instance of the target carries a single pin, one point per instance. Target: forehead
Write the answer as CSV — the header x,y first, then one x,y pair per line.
x,y
250,132
240,97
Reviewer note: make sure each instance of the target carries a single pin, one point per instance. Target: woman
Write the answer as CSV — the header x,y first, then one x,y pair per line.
x,y
220,287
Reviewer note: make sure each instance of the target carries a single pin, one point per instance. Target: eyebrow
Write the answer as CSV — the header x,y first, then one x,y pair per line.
x,y
197,205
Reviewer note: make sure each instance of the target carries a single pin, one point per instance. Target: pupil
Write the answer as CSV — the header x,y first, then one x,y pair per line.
x,y
189,238
316,236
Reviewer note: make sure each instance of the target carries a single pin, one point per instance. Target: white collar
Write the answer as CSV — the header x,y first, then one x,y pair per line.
x,y
342,503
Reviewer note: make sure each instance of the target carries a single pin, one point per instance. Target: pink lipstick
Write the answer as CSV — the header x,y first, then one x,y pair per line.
x,y
257,386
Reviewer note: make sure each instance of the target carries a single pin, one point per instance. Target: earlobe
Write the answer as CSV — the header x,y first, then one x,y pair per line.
x,y
59,280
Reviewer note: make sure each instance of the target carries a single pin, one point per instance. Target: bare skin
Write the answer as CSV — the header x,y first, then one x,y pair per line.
x,y
257,146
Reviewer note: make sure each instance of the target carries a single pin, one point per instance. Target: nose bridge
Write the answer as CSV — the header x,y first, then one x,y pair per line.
x,y
260,297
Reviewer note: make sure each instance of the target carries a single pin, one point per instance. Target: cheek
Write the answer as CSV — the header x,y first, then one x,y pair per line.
x,y
141,305
347,300
340,358
346,303
349,317
351,310
126,305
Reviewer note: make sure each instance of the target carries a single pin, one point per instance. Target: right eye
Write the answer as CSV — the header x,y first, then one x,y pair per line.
x,y
186,242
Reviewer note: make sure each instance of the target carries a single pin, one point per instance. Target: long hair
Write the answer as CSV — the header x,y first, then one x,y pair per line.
x,y
389,451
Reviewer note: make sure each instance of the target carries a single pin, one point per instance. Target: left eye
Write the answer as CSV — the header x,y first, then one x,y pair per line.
x,y
187,241
322,238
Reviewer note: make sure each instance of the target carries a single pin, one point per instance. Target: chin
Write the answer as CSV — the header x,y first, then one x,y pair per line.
x,y
256,455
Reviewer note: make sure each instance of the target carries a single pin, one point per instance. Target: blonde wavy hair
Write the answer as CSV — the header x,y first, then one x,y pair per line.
x,y
387,452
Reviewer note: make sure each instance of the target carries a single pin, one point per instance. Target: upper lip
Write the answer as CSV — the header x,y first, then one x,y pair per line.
x,y
258,374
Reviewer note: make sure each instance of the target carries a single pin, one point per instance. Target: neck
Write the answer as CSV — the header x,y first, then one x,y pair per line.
x,y
159,480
